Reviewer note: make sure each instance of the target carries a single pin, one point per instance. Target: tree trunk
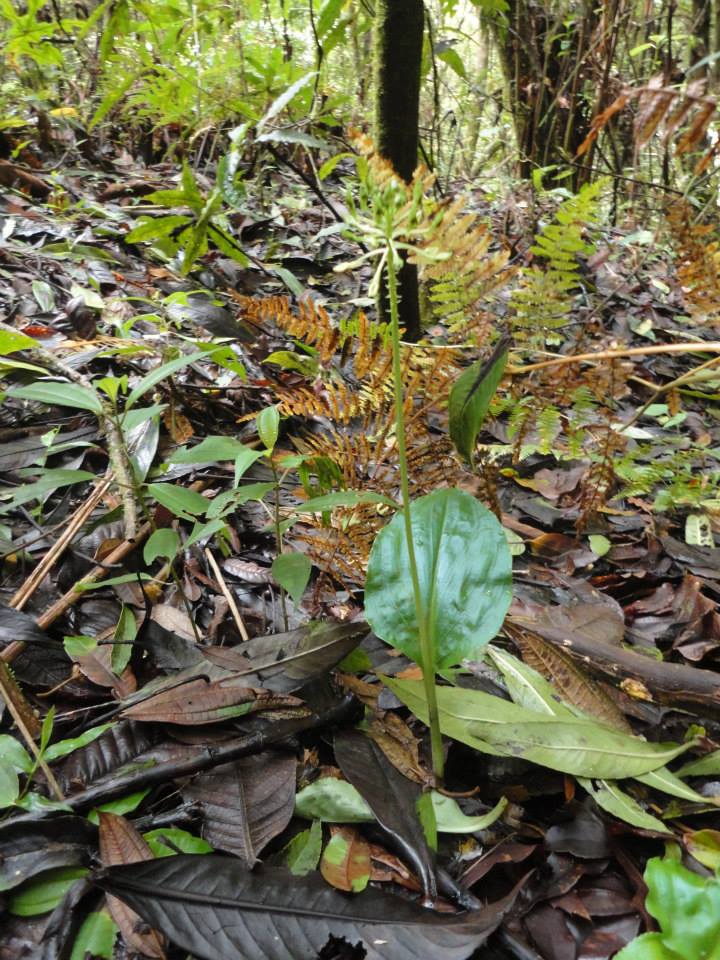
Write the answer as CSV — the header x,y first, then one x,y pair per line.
x,y
399,26
545,84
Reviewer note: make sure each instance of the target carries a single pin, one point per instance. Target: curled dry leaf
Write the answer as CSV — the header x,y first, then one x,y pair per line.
x,y
203,701
121,843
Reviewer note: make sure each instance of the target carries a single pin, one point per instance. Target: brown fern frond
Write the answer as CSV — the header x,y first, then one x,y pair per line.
x,y
698,263
666,109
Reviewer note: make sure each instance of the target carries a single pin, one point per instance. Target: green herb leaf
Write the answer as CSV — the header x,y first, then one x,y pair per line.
x,y
464,568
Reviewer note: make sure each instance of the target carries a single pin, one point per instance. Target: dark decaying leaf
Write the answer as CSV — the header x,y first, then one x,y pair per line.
x,y
345,862
215,908
244,804
203,701
391,797
284,662
121,843
29,848
120,744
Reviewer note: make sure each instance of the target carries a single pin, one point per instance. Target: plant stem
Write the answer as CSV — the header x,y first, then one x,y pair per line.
x,y
424,634
278,537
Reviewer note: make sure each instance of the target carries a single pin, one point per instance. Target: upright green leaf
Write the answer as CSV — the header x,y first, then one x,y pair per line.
x,y
470,398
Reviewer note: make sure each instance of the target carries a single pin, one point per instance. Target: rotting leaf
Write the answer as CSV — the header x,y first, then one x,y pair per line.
x,y
345,862
392,799
203,701
245,803
214,908
121,843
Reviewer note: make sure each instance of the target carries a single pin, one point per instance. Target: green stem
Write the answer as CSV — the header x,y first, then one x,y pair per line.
x,y
278,537
424,633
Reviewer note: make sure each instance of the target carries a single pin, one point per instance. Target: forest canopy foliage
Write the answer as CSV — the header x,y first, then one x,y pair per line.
x,y
360,413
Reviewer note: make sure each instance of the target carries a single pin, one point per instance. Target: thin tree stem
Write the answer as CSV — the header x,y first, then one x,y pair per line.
x,y
424,633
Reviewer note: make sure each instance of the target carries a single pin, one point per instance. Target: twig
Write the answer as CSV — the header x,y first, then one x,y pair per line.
x,y
696,346
21,597
74,593
25,721
665,387
239,622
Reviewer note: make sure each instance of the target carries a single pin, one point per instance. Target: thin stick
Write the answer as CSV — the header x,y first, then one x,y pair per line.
x,y
239,622
16,704
74,593
21,597
708,346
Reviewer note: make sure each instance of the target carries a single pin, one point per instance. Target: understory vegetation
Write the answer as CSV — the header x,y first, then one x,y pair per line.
x,y
360,420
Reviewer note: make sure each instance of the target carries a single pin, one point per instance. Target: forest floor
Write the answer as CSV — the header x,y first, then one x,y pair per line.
x,y
153,669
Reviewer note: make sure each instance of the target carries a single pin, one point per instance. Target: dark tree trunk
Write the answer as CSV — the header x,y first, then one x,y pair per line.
x,y
399,26
546,78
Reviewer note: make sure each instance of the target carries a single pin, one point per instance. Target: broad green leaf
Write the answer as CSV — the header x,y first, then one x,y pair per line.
x,y
425,809
580,747
230,499
279,104
453,59
179,500
571,745
162,372
709,765
599,544
302,854
79,646
124,637
121,806
648,946
9,785
343,498
464,567
611,798
44,296
470,399
292,571
50,481
152,228
687,907
244,460
203,531
332,801
213,450
96,937
56,393
668,782
45,892
64,747
527,687
168,841
12,340
268,426
13,755
337,801
704,845
329,12
163,543
450,818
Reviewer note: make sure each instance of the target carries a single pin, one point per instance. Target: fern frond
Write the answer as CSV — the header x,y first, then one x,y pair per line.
x,y
545,295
